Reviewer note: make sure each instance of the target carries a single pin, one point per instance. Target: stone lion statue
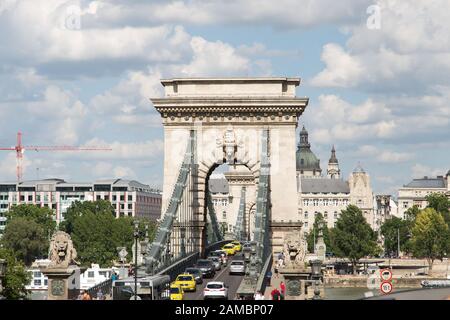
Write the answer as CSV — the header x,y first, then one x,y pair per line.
x,y
62,253
294,250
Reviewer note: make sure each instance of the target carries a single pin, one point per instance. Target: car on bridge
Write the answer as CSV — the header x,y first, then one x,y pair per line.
x,y
229,249
237,245
221,254
186,281
206,267
176,292
197,273
216,261
237,267
215,290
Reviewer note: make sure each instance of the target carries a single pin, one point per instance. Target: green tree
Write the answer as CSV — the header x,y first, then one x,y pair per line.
x,y
26,238
352,237
97,233
412,213
430,236
312,235
41,215
16,277
391,230
441,204
78,208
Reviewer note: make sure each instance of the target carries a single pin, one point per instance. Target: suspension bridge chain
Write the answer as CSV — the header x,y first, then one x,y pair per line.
x,y
239,229
216,235
159,255
262,215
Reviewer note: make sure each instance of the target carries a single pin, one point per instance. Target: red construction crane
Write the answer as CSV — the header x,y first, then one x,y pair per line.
x,y
19,148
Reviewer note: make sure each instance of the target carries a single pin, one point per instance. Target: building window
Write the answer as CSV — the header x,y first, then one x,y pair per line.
x,y
325,215
315,202
130,198
306,215
30,198
107,198
37,282
130,206
90,274
305,202
335,202
98,197
114,198
325,202
122,198
405,204
22,198
306,224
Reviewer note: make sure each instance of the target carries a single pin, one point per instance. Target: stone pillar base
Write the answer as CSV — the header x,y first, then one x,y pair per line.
x,y
278,231
60,282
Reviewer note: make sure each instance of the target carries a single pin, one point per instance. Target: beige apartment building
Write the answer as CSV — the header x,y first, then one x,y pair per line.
x,y
128,197
414,193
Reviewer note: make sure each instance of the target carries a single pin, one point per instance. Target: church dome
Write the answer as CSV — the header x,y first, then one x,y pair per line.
x,y
306,160
358,169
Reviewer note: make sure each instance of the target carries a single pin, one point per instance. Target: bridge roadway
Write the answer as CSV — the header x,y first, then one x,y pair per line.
x,y
232,281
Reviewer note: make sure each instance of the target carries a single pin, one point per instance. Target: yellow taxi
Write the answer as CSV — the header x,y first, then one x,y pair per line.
x,y
237,245
186,281
229,248
176,292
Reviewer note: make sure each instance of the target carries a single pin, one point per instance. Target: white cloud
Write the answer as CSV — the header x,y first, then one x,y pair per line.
x,y
383,155
279,14
214,58
342,70
419,170
411,50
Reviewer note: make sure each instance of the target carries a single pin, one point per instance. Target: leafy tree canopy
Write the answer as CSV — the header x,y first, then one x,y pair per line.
x,y
441,204
313,233
352,237
430,236
96,232
41,215
391,230
16,277
26,238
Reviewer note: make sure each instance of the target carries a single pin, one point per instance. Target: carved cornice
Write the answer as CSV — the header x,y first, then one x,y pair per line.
x,y
235,106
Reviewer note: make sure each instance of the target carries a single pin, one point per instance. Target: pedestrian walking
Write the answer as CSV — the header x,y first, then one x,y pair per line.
x,y
259,296
99,294
276,271
283,288
280,260
86,296
275,294
268,277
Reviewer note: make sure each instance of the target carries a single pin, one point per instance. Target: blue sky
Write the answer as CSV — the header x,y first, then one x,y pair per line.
x,y
82,73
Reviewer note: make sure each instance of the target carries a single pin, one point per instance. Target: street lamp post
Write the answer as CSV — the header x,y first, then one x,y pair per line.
x,y
136,239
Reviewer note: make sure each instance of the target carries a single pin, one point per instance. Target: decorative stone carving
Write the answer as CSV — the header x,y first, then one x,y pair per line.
x,y
294,250
62,253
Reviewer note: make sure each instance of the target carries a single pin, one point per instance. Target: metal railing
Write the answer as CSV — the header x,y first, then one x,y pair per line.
x,y
105,287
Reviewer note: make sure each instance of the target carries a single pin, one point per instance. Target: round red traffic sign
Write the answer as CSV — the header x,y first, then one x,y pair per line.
x,y
386,287
386,274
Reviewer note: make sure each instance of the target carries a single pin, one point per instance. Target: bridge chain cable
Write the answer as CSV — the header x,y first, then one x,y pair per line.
x,y
239,229
159,255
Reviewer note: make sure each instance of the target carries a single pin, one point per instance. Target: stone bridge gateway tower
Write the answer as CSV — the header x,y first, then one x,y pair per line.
x,y
228,116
